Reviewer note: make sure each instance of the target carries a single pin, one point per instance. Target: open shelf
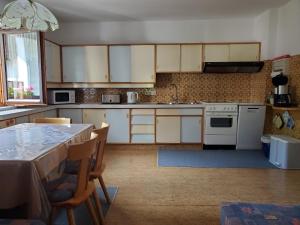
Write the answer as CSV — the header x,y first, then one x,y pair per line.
x,y
284,108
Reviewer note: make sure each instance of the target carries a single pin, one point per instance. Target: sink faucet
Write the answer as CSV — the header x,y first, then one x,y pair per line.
x,y
175,98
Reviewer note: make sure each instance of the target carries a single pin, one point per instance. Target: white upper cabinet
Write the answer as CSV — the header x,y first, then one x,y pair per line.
x,y
232,52
143,63
191,58
216,53
132,64
120,63
52,59
244,52
85,64
167,58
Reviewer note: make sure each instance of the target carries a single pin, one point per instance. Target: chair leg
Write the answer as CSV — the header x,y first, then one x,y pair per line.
x,y
98,207
71,218
101,181
92,212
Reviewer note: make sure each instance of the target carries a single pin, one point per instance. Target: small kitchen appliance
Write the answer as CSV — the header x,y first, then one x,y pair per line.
x,y
132,97
110,99
56,97
282,97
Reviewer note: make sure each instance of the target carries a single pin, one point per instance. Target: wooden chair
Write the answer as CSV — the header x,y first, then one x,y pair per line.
x,y
98,166
69,191
53,120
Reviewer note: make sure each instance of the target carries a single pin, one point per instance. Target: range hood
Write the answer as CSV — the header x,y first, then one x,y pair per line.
x,y
232,67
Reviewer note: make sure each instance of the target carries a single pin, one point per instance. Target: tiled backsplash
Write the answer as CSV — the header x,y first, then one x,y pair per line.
x,y
195,87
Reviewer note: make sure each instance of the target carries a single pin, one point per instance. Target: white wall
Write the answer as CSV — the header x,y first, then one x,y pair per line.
x,y
279,30
224,30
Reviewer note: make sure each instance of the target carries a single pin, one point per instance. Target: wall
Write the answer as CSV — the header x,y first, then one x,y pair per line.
x,y
225,30
279,30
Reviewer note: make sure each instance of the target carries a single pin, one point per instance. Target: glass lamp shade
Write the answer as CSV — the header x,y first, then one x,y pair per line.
x,y
28,15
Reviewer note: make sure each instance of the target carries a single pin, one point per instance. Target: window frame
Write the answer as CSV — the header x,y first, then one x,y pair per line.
x,y
41,65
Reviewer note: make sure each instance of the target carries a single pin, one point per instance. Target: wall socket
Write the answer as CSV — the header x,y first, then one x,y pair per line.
x,y
150,92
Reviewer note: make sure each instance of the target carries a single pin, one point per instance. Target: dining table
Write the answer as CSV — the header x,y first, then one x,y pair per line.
x,y
31,154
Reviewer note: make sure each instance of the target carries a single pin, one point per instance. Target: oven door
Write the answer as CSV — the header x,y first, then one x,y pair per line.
x,y
221,124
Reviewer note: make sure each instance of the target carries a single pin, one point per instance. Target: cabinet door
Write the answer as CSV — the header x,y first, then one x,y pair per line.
x,y
191,127
168,129
94,116
7,123
244,52
167,58
50,114
120,63
85,64
35,116
118,119
143,63
52,59
74,114
216,53
22,119
191,58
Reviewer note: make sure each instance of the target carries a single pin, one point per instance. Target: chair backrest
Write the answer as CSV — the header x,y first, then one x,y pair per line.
x,y
102,137
83,153
53,120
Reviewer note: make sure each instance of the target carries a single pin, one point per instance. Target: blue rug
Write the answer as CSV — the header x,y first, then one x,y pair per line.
x,y
168,157
82,215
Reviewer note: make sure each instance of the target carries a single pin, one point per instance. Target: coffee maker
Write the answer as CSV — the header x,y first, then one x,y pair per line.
x,y
282,96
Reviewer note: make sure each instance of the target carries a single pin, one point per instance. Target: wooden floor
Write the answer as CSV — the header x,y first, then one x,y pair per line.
x,y
156,195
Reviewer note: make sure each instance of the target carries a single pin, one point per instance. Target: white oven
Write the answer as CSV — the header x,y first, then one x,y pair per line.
x,y
220,124
61,97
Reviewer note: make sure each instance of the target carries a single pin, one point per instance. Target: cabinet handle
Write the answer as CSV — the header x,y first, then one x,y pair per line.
x,y
104,115
127,115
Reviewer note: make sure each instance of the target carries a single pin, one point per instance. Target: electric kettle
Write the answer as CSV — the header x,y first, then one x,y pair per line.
x,y
132,97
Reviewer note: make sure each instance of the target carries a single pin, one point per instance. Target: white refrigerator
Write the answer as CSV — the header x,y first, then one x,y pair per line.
x,y
251,120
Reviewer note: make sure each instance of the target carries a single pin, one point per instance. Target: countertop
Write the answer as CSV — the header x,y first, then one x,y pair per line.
x,y
18,112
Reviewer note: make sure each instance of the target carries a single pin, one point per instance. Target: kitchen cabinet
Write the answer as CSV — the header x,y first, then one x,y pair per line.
x,y
191,58
52,60
191,127
85,64
132,64
7,123
118,120
216,53
143,126
49,113
94,116
143,63
120,63
232,52
74,114
167,58
244,52
168,129
22,119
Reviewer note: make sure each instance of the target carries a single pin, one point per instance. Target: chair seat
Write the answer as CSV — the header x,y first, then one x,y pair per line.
x,y
20,222
72,167
61,189
261,214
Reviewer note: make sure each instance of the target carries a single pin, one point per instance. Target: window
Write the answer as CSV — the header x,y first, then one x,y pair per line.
x,y
23,79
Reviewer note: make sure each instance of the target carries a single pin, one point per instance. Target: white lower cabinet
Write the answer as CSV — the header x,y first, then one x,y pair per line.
x,y
191,127
94,116
50,114
35,116
22,119
118,120
168,129
74,114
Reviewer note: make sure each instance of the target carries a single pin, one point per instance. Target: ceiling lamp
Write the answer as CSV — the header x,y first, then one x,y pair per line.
x,y
27,15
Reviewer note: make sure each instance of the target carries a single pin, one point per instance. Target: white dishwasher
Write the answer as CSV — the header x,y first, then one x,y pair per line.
x,y
251,120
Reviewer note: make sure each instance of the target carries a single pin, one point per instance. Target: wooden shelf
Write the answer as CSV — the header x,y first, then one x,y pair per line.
x,y
284,108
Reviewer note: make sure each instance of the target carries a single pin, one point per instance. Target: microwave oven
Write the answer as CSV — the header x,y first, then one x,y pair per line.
x,y
56,97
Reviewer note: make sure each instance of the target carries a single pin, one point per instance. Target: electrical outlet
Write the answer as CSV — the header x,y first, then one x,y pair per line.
x,y
150,92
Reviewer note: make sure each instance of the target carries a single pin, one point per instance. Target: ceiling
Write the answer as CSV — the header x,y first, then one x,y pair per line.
x,y
142,10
